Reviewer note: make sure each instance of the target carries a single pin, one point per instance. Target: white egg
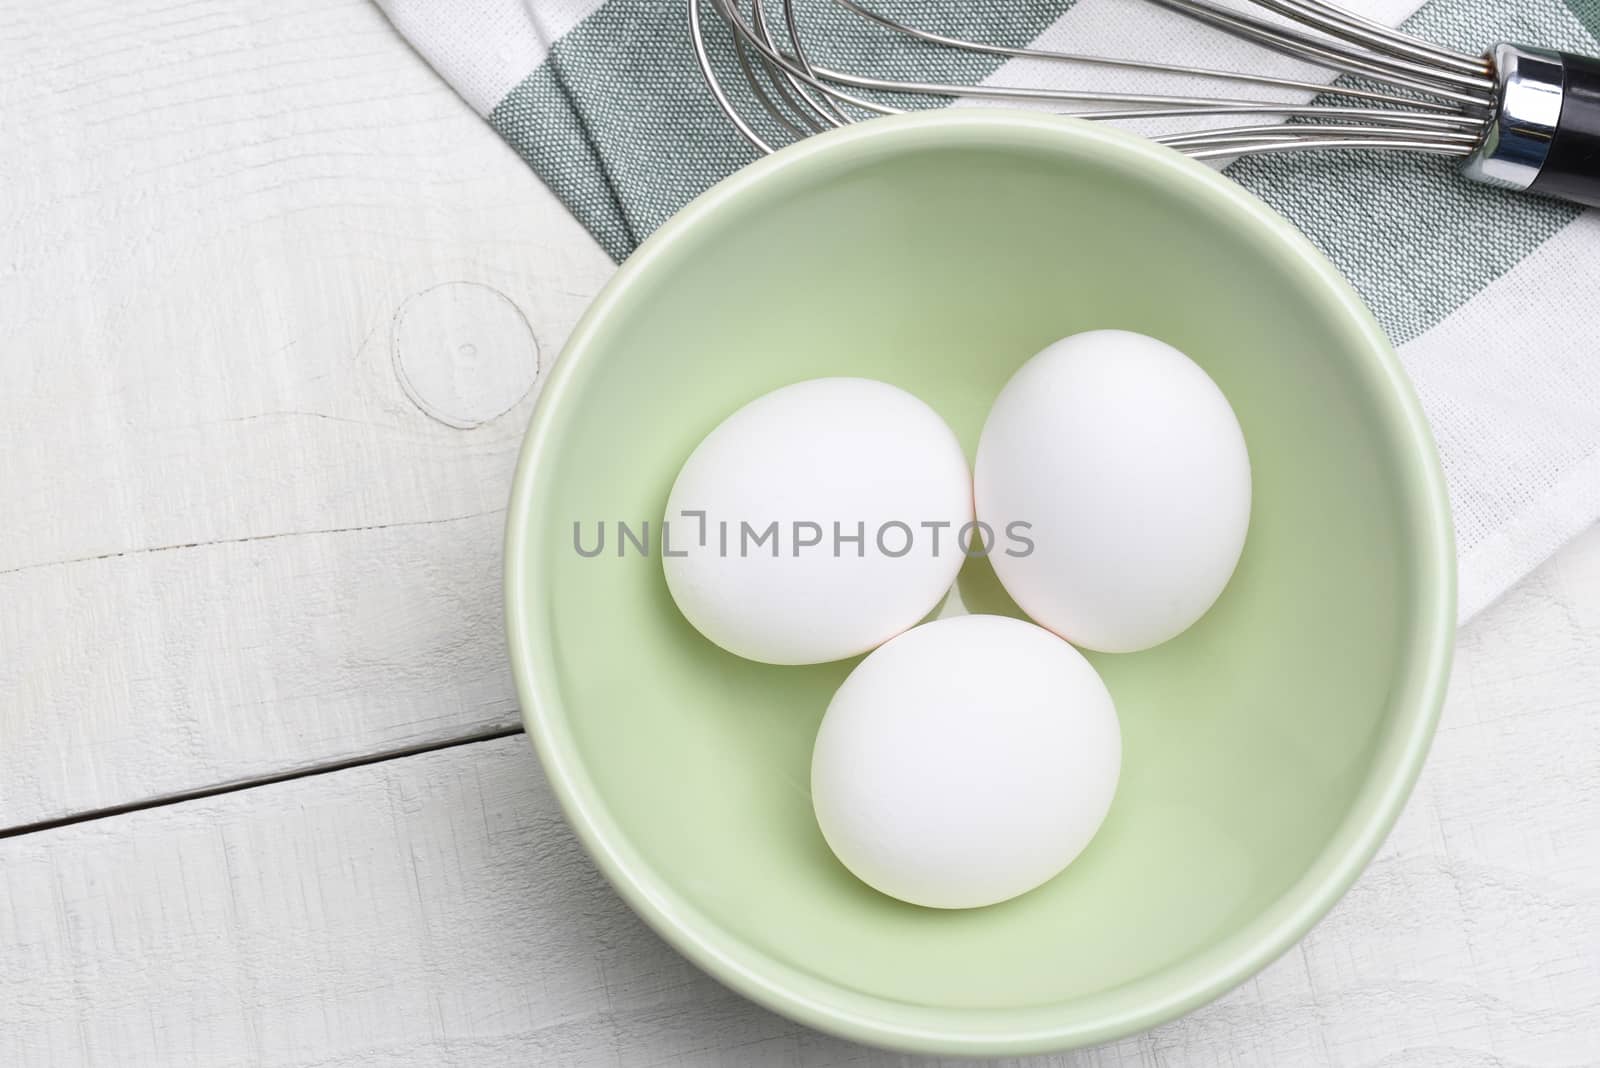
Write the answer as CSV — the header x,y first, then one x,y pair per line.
x,y
818,521
1127,469
965,762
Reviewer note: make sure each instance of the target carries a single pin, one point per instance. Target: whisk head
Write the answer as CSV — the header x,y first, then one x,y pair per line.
x,y
784,82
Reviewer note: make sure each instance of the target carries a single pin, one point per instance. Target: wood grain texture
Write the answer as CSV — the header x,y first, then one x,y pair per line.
x,y
436,911
275,307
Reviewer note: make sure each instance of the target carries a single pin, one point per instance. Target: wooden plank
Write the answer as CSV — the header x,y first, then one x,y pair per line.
x,y
435,910
276,305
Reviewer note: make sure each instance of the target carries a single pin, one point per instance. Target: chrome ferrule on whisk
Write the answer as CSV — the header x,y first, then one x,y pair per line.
x,y
1544,136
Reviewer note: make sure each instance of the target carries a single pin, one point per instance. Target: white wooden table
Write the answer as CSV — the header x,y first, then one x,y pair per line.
x,y
274,307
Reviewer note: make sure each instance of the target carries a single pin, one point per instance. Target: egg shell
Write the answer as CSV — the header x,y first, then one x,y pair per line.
x,y
965,762
834,459
1129,471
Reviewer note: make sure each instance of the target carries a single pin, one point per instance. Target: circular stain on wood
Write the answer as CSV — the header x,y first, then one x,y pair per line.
x,y
464,353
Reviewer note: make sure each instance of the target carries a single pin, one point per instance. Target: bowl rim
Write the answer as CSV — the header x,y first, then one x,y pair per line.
x,y
1417,696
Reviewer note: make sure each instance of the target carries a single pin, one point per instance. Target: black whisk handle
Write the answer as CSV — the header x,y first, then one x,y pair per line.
x,y
1571,168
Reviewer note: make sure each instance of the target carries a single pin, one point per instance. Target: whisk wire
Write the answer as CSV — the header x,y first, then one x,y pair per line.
x,y
1233,150
702,55
1238,77
825,104
1461,88
1417,96
1359,30
791,89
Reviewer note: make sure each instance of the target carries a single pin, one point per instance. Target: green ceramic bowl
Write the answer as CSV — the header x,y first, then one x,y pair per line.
x,y
1266,751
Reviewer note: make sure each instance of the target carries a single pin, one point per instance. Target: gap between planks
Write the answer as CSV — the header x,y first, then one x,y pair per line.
x,y
332,767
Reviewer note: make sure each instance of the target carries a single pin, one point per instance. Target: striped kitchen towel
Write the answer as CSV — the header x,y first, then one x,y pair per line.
x,y
1493,299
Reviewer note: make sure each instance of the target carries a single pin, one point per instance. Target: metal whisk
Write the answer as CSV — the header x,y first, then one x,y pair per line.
x,y
1517,117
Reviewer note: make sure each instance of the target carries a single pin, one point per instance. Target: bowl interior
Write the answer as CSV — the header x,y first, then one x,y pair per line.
x,y
1261,747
